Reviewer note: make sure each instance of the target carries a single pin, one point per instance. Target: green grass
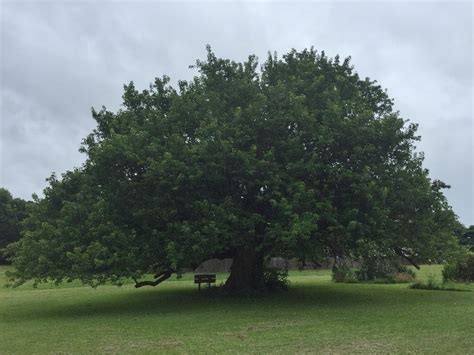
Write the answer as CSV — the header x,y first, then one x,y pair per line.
x,y
315,316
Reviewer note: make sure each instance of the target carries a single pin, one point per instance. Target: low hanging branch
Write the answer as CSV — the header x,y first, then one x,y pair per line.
x,y
409,258
159,279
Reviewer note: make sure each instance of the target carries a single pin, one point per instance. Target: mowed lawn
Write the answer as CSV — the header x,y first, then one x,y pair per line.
x,y
314,316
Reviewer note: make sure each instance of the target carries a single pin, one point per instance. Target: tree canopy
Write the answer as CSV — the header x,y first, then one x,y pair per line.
x,y
298,158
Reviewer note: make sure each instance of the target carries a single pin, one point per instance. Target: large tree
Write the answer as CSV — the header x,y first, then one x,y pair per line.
x,y
301,158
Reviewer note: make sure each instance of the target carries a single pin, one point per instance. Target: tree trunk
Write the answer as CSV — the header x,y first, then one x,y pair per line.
x,y
246,272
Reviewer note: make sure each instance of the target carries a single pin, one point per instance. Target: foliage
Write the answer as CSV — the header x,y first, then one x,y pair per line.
x,y
344,273
276,279
466,237
376,262
378,272
461,270
12,212
404,276
300,159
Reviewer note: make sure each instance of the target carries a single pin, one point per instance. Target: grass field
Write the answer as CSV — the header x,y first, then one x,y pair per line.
x,y
314,316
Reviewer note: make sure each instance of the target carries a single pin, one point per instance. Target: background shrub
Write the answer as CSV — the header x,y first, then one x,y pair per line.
x,y
461,270
276,279
343,274
405,276
377,269
380,270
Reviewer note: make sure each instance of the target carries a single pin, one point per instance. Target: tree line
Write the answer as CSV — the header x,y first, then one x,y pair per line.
x,y
12,212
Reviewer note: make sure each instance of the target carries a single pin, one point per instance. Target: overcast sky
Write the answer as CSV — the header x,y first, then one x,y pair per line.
x,y
60,58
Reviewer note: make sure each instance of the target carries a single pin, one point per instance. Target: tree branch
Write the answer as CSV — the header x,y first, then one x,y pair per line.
x,y
407,257
160,278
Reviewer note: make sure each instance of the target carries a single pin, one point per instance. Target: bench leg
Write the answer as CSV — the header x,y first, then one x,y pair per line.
x,y
199,286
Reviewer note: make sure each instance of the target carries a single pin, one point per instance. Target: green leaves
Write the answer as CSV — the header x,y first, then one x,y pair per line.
x,y
12,212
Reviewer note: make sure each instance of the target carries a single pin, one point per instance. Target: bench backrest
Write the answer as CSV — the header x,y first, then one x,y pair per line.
x,y
204,278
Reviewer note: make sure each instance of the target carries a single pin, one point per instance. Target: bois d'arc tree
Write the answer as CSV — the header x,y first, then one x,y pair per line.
x,y
301,158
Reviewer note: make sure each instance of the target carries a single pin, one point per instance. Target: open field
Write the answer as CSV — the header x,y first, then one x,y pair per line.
x,y
315,315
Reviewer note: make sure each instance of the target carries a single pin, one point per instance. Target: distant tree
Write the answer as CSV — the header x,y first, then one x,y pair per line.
x,y
467,237
12,213
301,159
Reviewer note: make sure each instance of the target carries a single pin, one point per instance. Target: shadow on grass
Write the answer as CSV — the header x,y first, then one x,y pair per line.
x,y
161,302
129,302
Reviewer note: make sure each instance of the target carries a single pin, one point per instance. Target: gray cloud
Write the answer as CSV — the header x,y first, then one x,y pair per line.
x,y
59,59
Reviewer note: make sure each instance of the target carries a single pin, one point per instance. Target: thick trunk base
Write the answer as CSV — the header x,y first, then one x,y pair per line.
x,y
246,272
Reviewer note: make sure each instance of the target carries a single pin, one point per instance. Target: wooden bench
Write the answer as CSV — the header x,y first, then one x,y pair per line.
x,y
204,278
